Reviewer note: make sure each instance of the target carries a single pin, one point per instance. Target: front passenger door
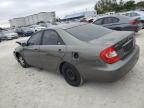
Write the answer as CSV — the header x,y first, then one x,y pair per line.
x,y
31,51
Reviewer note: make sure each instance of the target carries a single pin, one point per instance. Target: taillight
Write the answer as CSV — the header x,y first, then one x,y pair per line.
x,y
109,55
134,22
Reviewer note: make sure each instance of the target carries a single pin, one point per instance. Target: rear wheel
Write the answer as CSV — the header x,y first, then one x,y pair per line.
x,y
118,28
22,61
71,75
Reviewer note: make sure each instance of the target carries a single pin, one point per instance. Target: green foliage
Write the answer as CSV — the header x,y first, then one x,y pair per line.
x,y
103,6
130,5
140,4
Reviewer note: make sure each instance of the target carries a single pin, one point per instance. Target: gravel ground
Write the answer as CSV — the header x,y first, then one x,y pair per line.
x,y
34,88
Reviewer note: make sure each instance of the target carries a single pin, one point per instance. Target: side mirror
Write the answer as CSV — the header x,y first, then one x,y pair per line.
x,y
22,43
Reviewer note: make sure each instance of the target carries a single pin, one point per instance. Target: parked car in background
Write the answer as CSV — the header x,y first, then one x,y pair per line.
x,y
24,31
37,28
80,52
119,22
8,35
1,37
139,14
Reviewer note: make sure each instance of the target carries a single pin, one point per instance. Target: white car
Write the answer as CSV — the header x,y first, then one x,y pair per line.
x,y
40,28
37,28
8,35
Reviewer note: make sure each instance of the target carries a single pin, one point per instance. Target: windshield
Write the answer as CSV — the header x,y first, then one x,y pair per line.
x,y
88,32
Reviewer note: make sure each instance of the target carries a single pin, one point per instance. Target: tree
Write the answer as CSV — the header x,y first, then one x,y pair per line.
x,y
140,4
103,6
130,5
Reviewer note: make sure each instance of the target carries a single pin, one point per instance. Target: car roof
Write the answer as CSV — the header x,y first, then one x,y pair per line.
x,y
113,16
117,16
67,26
137,11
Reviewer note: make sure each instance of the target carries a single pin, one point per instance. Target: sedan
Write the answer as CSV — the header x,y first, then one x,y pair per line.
x,y
80,52
119,22
24,31
8,35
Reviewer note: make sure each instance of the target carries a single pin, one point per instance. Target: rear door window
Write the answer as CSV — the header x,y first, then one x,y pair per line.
x,y
109,20
115,20
51,37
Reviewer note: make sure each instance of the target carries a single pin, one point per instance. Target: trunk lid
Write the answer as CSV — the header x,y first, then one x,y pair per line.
x,y
122,41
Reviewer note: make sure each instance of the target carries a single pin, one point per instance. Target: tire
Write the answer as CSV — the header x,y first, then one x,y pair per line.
x,y
71,75
118,28
22,61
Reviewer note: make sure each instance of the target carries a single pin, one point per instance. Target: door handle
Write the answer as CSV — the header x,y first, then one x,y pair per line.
x,y
59,50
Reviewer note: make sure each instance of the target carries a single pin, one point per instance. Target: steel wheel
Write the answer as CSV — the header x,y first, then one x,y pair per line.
x,y
71,75
22,61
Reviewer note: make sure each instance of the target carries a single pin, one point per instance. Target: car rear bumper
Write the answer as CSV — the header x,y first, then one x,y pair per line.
x,y
135,28
112,72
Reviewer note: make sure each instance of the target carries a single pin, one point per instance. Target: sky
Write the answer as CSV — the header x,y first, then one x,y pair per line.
x,y
19,8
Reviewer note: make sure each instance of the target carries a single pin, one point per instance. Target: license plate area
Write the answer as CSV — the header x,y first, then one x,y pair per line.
x,y
128,46
125,48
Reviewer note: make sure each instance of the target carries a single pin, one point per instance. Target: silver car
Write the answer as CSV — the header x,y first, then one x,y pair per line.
x,y
8,35
80,52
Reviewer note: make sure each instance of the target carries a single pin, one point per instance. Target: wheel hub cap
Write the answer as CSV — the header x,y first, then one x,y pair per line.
x,y
21,60
71,75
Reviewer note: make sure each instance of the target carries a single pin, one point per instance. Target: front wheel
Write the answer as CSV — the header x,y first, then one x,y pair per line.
x,y
22,61
71,75
118,28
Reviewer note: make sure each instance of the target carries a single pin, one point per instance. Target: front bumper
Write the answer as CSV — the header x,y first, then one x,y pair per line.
x,y
112,72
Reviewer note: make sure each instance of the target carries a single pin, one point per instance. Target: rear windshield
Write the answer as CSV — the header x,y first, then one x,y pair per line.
x,y
88,32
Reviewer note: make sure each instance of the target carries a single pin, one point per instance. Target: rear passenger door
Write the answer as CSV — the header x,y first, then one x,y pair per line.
x,y
111,22
52,50
31,51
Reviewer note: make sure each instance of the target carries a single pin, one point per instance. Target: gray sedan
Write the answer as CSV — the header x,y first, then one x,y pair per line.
x,y
119,22
80,52
8,35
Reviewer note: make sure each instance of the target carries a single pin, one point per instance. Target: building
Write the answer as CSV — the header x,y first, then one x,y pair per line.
x,y
33,19
17,22
79,15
